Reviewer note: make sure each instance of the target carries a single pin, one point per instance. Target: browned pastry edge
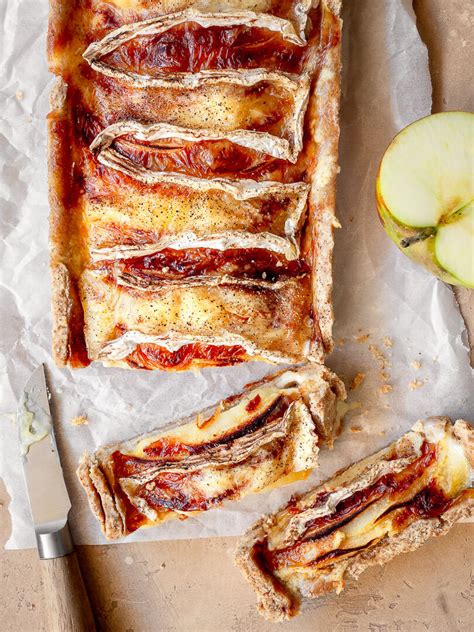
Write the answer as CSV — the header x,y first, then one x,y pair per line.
x,y
324,113
277,603
60,282
324,110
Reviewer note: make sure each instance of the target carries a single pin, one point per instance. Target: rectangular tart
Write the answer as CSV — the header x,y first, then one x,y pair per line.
x,y
192,166
267,436
389,503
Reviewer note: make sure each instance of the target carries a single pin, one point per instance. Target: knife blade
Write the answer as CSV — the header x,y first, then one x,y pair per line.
x,y
48,496
67,603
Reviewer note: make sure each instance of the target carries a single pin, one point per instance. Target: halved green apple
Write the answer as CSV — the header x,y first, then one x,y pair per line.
x,y
425,194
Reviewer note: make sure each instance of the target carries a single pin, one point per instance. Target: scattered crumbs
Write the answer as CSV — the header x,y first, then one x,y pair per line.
x,y
81,420
340,342
416,364
382,433
356,428
385,388
129,560
162,565
19,94
383,376
362,338
392,605
387,342
415,384
379,356
357,381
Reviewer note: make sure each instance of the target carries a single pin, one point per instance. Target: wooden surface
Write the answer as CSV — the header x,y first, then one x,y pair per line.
x,y
67,606
193,586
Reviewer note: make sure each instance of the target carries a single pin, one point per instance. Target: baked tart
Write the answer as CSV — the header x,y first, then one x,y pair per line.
x,y
192,162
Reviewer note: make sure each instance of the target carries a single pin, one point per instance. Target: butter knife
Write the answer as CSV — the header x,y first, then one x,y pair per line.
x,y
67,604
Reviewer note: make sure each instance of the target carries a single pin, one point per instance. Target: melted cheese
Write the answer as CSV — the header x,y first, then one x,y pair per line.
x,y
168,215
34,424
270,320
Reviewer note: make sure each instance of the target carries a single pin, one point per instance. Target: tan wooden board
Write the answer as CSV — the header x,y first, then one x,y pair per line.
x,y
193,586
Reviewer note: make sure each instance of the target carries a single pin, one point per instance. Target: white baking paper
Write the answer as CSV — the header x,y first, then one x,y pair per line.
x,y
409,316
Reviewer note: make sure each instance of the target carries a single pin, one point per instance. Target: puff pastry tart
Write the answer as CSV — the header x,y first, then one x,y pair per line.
x,y
265,437
193,157
384,505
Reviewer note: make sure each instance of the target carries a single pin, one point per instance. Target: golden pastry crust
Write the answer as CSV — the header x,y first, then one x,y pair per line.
x,y
266,436
92,187
427,472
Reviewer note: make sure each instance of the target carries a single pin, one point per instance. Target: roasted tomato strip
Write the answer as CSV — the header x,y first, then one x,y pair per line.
x,y
204,159
190,47
152,356
169,264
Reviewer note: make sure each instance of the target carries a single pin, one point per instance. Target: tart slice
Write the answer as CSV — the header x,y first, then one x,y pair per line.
x,y
265,437
386,504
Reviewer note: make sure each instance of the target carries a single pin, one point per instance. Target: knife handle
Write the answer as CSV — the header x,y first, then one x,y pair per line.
x,y
67,604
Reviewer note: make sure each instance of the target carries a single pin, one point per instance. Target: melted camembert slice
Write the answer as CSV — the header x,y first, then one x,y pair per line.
x,y
383,505
133,321
267,436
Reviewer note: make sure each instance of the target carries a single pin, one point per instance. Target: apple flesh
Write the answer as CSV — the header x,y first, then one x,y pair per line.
x,y
425,194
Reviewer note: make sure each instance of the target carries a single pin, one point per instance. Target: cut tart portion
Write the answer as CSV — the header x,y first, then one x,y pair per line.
x,y
386,504
267,436
192,161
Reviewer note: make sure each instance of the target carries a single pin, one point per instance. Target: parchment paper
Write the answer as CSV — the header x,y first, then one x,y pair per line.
x,y
394,323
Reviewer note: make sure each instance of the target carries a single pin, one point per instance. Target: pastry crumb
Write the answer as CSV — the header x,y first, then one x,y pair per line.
x,y
357,381
356,428
362,338
379,356
415,384
416,364
81,420
340,342
150,486
387,342
385,388
19,94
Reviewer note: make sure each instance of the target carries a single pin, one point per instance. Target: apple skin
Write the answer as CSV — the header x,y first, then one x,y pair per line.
x,y
421,252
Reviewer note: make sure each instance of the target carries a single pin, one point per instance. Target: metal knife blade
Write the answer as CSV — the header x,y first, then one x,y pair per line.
x,y
48,496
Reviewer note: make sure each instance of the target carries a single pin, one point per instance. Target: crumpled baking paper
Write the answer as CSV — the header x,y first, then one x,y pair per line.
x,y
395,323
